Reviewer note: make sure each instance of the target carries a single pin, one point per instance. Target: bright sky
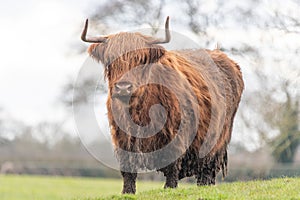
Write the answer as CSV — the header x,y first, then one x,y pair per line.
x,y
36,56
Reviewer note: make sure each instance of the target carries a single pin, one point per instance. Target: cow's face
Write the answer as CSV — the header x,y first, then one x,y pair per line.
x,y
121,52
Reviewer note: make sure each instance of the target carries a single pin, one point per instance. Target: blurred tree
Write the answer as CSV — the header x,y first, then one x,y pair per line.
x,y
49,133
278,115
2,140
83,91
284,146
131,12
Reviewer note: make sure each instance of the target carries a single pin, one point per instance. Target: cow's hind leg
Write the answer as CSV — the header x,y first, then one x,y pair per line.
x,y
209,169
171,173
129,180
207,176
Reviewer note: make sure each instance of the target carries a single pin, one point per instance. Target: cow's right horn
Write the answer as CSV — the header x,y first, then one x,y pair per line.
x,y
167,36
91,39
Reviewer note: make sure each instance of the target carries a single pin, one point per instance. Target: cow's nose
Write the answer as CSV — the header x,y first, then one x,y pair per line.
x,y
123,88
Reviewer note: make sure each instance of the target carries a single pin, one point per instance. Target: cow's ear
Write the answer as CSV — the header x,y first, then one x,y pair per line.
x,y
156,52
96,51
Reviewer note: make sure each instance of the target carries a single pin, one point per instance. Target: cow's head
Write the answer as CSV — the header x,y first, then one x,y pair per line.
x,y
121,52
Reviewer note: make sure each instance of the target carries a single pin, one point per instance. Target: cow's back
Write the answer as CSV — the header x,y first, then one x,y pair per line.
x,y
224,80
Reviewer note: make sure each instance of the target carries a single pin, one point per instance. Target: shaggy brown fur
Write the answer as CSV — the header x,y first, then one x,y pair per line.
x,y
215,88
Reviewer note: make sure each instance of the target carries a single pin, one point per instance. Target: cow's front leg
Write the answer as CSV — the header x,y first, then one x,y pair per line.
x,y
129,180
171,173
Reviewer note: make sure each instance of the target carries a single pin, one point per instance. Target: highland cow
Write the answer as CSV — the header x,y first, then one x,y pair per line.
x,y
197,91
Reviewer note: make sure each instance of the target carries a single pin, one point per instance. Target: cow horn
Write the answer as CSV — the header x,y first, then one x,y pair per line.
x,y
91,39
167,37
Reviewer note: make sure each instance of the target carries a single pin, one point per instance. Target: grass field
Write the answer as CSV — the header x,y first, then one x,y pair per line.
x,y
54,188
57,188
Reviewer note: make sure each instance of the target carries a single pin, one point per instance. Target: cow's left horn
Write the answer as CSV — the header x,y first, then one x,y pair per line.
x,y
91,39
167,37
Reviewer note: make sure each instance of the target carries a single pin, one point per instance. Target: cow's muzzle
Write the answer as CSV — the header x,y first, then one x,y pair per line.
x,y
122,90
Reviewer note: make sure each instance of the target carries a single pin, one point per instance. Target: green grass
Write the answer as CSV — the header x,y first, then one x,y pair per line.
x,y
286,188
57,188
37,187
